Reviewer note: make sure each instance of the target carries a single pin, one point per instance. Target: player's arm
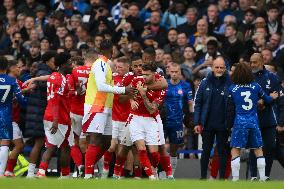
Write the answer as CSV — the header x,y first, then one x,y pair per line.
x,y
99,70
159,84
39,78
19,96
150,106
267,99
280,104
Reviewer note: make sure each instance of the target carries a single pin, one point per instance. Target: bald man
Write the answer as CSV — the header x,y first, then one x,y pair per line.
x,y
210,115
267,119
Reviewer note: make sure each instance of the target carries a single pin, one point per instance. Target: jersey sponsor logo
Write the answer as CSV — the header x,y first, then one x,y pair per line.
x,y
180,92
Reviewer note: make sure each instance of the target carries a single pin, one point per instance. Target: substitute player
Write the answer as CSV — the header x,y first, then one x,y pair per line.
x,y
178,93
97,108
246,133
8,88
57,123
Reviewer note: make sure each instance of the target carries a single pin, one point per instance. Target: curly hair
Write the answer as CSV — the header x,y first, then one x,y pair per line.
x,y
242,74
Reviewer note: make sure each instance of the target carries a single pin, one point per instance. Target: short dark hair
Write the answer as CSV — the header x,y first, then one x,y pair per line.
x,y
3,63
61,58
11,63
271,6
150,51
106,45
135,58
242,74
77,60
232,25
213,43
48,55
150,67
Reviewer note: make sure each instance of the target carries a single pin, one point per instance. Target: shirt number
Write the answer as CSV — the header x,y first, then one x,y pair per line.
x,y
50,93
7,89
247,94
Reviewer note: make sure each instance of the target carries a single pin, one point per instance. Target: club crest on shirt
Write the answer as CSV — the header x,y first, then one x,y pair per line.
x,y
268,84
180,92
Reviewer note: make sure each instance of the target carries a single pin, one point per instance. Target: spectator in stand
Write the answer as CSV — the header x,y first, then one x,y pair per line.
x,y
7,5
272,22
28,7
172,41
224,9
232,47
246,26
69,43
189,26
44,45
244,5
213,20
151,6
175,15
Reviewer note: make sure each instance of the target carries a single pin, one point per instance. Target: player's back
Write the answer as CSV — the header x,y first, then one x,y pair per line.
x,y
245,98
7,85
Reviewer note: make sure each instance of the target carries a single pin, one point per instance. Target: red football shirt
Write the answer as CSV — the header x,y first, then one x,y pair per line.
x,y
57,85
78,78
120,111
153,96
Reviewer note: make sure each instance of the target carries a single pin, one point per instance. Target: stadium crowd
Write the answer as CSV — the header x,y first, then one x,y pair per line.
x,y
124,86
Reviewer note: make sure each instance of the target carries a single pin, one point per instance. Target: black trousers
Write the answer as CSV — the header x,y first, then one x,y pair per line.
x,y
269,144
208,139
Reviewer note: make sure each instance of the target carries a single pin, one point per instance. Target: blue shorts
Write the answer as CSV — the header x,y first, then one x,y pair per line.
x,y
174,131
246,138
6,131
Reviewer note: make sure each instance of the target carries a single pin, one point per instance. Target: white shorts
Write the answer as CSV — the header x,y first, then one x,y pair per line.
x,y
17,133
125,136
144,128
97,122
117,129
76,122
161,130
64,134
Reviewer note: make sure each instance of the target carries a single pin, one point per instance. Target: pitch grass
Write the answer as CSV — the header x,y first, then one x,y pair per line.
x,y
52,183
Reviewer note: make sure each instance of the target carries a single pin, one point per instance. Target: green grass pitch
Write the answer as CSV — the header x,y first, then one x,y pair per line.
x,y
21,183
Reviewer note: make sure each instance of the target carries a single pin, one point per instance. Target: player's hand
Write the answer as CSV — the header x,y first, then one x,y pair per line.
x,y
274,95
260,104
198,129
141,88
130,91
28,82
280,129
134,105
54,127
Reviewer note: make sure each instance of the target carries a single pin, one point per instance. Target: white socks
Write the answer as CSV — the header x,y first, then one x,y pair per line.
x,y
173,163
261,167
4,154
31,170
235,165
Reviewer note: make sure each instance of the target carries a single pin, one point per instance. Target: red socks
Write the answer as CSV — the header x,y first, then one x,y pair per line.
x,y
65,171
76,155
11,164
155,159
145,162
43,165
93,154
119,164
137,171
107,159
166,165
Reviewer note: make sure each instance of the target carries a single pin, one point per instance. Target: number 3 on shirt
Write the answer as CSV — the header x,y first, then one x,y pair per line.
x,y
247,94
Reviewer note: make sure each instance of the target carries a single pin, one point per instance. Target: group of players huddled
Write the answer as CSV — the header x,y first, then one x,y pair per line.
x,y
114,113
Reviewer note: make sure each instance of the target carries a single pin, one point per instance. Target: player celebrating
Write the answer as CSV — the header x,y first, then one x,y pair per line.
x,y
8,87
246,134
57,123
98,106
178,93
77,82
144,119
119,113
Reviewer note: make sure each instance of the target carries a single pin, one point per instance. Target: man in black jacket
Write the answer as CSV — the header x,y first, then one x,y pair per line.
x,y
266,114
35,110
210,115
